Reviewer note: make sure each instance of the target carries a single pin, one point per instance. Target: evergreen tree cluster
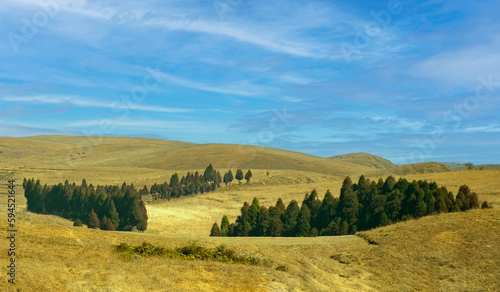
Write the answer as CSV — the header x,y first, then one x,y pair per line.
x,y
192,183
362,206
105,207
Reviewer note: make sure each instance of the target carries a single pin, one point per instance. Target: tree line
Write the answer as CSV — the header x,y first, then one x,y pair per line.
x,y
105,207
360,206
194,183
114,208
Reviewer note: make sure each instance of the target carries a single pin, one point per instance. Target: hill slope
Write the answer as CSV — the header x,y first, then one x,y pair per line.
x,y
365,159
72,151
449,252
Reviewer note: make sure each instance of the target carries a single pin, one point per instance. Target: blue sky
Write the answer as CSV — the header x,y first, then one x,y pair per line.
x,y
410,81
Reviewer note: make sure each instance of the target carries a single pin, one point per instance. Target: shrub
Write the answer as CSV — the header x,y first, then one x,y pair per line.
x,y
192,251
215,231
283,268
78,223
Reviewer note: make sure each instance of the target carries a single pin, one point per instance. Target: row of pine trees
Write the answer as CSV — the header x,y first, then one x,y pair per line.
x,y
193,183
105,207
115,208
362,206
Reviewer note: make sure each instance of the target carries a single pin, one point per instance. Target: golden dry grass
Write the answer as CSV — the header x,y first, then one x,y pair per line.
x,y
365,159
160,154
449,252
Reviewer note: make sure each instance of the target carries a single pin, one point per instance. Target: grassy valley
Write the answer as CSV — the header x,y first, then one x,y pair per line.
x,y
451,252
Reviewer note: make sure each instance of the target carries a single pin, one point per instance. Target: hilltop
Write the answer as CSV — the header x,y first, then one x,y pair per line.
x,y
365,159
74,152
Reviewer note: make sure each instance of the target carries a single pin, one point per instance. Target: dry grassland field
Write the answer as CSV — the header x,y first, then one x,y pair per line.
x,y
445,252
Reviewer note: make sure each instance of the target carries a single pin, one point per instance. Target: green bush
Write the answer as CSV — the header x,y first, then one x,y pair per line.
x,y
192,251
485,205
283,268
78,223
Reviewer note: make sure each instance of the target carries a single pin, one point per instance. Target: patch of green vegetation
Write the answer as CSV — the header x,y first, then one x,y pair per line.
x,y
193,251
283,268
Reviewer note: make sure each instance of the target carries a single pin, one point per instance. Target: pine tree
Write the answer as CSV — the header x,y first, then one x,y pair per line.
x,y
242,225
209,174
93,220
473,201
346,185
349,207
263,223
384,220
230,177
389,184
326,211
224,226
303,227
393,205
253,213
215,231
140,215
275,227
103,222
290,218
175,185
344,228
239,175
421,209
441,205
144,191
313,203
280,206
109,225
248,175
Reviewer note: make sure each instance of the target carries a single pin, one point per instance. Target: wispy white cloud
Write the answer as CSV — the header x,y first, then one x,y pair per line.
x,y
483,129
23,130
158,125
399,122
241,88
285,36
260,38
84,102
80,7
461,67
295,79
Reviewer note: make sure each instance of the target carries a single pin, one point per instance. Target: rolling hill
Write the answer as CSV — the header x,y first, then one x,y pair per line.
x,y
365,159
124,152
450,252
76,151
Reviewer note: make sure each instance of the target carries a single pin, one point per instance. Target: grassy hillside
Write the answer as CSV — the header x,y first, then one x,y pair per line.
x,y
424,167
365,159
450,252
72,152
462,166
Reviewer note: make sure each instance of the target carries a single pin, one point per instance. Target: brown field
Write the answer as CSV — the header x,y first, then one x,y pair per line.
x,y
448,252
